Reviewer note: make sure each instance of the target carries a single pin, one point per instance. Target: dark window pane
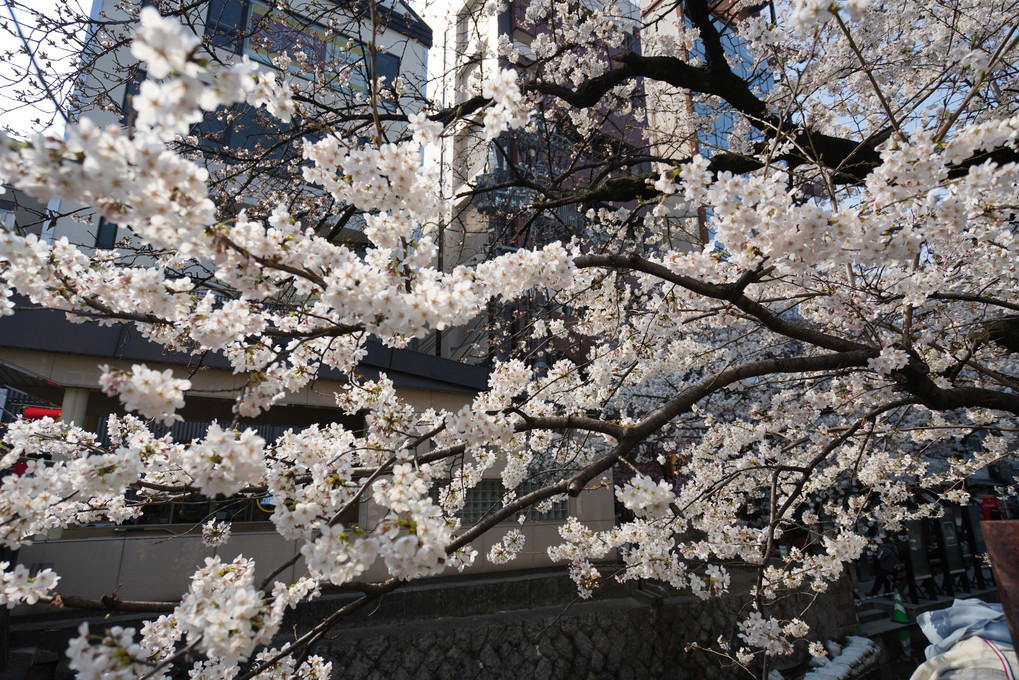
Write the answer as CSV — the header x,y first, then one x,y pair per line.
x,y
131,88
226,23
387,66
245,132
249,131
106,234
257,132
212,131
190,513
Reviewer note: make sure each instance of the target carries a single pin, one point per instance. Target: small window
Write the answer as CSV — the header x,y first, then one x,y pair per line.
x,y
106,234
7,217
387,66
226,24
487,497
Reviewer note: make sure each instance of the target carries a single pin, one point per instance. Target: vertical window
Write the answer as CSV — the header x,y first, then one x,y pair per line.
x,y
386,66
246,129
131,88
519,14
106,234
226,24
7,218
466,29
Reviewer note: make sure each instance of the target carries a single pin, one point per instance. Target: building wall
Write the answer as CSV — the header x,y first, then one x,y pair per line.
x,y
669,130
109,78
154,562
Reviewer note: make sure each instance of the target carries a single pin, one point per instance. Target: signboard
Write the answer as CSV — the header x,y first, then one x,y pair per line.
x,y
951,542
975,517
267,504
918,551
991,508
38,412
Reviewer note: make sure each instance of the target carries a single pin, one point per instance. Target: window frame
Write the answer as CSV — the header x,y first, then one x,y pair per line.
x,y
236,37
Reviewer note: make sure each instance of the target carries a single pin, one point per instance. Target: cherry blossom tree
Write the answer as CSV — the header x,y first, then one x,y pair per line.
x,y
793,289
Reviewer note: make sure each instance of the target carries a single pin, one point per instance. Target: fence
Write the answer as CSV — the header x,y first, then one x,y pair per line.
x,y
943,556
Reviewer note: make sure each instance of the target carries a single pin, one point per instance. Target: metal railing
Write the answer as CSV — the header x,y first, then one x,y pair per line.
x,y
942,556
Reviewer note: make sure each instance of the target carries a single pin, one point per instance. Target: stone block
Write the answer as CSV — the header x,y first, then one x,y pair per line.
x,y
544,670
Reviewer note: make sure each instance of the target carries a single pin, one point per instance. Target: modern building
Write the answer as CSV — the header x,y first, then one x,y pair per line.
x,y
679,125
55,362
489,211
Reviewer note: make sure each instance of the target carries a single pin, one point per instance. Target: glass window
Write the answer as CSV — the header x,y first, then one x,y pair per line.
x,y
487,497
259,133
7,218
226,23
256,28
246,130
275,33
106,234
387,66
212,132
131,88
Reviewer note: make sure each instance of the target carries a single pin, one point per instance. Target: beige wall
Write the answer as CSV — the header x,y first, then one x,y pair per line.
x,y
155,562
153,567
152,564
70,370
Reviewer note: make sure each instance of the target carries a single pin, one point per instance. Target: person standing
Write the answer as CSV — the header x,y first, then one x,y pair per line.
x,y
886,562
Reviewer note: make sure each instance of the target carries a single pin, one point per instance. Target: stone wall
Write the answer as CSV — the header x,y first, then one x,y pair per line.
x,y
632,635
516,625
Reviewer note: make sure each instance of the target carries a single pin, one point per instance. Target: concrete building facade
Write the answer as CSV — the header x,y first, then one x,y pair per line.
x,y
55,361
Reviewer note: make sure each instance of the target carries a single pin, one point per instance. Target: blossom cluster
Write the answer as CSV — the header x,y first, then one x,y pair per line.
x,y
224,613
506,110
225,461
770,634
215,533
644,497
507,548
153,394
808,13
81,486
760,355
113,655
19,586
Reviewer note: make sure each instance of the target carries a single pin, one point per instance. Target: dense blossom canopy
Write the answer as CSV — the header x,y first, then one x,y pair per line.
x,y
798,291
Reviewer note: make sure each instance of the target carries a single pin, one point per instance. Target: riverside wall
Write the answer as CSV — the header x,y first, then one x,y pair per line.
x,y
542,631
